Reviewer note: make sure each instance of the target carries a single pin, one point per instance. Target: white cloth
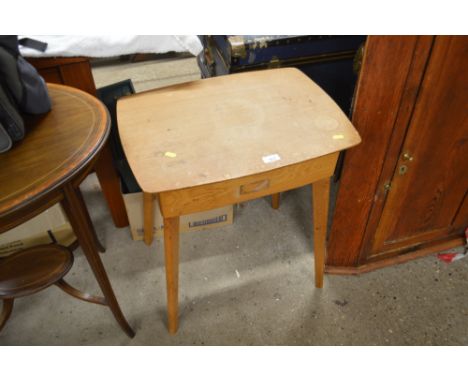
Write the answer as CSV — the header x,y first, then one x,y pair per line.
x,y
114,45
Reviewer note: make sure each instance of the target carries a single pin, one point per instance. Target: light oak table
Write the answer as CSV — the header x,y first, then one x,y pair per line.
x,y
224,140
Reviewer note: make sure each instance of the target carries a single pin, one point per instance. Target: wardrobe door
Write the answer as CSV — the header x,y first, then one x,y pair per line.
x,y
427,195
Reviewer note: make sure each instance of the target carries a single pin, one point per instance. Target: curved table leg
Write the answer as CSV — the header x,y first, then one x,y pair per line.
x,y
67,288
98,244
6,312
75,210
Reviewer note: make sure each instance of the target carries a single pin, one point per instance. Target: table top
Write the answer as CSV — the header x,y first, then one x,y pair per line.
x,y
228,127
57,145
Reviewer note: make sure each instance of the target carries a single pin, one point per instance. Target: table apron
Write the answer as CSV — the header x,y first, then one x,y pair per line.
x,y
41,203
214,195
12,219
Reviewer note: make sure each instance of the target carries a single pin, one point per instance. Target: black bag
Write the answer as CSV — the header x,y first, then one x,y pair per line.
x,y
22,90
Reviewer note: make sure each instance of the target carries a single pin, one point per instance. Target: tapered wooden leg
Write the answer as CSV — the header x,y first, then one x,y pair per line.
x,y
275,200
110,185
148,217
171,254
6,311
321,195
74,208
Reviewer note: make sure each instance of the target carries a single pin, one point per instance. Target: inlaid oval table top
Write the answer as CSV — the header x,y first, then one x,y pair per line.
x,y
57,145
228,127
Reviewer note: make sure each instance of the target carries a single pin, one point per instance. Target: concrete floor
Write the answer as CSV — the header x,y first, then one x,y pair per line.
x,y
250,283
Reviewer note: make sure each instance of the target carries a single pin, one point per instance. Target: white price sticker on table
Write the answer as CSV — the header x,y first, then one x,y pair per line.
x,y
271,158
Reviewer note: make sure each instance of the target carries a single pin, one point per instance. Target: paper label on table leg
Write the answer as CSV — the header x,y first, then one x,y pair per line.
x,y
271,158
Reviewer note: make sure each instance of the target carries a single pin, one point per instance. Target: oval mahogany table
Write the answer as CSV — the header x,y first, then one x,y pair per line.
x,y
47,167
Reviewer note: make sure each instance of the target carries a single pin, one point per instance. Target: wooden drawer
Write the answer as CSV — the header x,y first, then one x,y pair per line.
x,y
214,195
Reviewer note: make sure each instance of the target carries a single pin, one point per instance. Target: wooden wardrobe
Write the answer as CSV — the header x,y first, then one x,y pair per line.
x,y
403,191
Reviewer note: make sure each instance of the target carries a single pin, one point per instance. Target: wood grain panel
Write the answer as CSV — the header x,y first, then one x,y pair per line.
x,y
378,96
403,257
51,75
410,93
229,127
461,218
435,183
71,71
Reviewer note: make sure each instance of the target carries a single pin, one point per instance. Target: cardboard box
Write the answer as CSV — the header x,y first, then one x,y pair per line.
x,y
198,221
50,225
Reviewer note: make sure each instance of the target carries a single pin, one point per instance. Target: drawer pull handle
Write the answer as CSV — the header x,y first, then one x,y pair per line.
x,y
255,186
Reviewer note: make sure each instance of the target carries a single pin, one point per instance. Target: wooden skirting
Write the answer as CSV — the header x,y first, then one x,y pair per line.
x,y
336,270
